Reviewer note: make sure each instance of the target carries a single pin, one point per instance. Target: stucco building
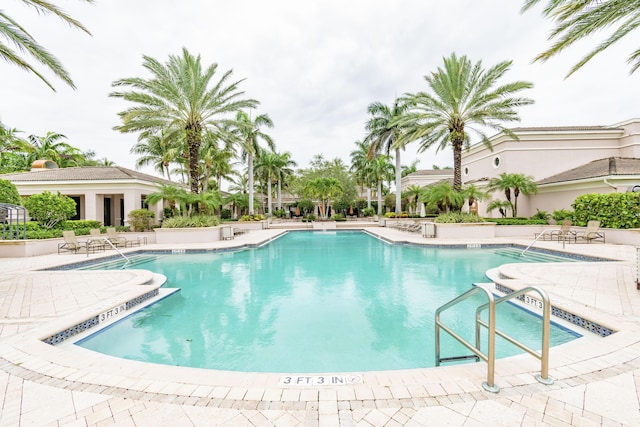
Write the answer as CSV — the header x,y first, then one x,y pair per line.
x,y
103,193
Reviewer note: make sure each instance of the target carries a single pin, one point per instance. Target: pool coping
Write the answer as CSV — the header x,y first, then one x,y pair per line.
x,y
24,355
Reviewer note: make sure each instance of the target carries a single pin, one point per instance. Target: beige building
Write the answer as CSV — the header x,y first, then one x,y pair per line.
x,y
564,161
103,193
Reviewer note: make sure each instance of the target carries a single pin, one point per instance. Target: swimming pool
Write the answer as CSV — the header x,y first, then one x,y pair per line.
x,y
312,302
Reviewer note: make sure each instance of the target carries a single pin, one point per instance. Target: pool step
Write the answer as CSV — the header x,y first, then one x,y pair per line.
x,y
529,256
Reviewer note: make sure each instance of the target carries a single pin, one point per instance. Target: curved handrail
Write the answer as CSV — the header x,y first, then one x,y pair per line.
x,y
543,356
491,348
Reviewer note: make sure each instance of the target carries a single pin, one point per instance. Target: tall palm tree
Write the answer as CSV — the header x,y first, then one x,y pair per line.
x,y
379,169
575,20
513,183
359,166
250,133
216,160
285,170
182,97
473,194
383,135
268,166
462,95
444,196
18,36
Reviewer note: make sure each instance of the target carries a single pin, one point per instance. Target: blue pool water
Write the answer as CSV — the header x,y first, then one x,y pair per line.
x,y
313,302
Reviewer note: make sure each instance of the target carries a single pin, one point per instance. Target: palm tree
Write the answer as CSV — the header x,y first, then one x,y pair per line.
x,y
576,20
359,164
184,98
413,167
171,193
444,196
380,168
250,134
268,166
516,183
216,161
463,95
238,202
383,135
157,149
412,193
285,170
25,43
51,147
473,194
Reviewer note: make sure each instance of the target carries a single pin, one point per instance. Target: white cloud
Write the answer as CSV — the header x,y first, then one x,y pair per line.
x,y
314,66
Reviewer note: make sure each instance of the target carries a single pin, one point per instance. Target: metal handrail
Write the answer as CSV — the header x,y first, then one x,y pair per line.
x,y
490,324
106,239
543,355
490,357
536,239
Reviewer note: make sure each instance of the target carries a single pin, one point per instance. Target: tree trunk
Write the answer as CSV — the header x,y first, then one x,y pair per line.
x,y
269,196
279,194
369,197
457,165
194,138
250,183
379,198
398,182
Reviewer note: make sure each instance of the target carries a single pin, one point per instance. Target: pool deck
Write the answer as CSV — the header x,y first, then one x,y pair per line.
x,y
597,380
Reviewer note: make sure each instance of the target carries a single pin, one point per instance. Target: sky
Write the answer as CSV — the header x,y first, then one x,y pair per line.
x,y
314,66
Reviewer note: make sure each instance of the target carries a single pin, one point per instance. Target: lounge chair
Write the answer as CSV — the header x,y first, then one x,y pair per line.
x,y
565,232
119,241
72,244
591,233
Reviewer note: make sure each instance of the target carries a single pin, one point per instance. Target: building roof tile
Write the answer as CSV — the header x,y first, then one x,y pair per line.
x,y
83,173
610,166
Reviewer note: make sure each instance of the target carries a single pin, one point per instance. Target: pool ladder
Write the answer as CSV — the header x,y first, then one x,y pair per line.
x,y
490,356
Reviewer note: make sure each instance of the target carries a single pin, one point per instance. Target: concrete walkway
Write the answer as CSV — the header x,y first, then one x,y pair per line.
x,y
597,380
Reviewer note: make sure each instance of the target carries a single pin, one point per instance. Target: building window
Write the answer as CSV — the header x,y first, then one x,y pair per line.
x,y
496,162
465,171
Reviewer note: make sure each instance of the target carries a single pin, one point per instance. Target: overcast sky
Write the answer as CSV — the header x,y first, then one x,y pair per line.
x,y
314,66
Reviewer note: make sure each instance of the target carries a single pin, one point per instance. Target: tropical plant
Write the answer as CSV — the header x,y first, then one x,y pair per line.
x,y
268,165
443,196
51,147
324,190
238,201
9,193
194,221
181,97
457,217
285,167
613,210
576,20
383,135
378,170
250,134
473,194
462,95
561,214
157,149
172,194
412,194
513,184
24,41
411,168
49,209
359,164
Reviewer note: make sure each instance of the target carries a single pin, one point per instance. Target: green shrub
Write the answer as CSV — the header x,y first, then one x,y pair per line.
x,y
541,215
390,215
8,193
141,219
518,221
368,212
225,214
256,217
49,209
311,217
339,217
279,213
613,210
457,217
194,221
562,214
79,224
